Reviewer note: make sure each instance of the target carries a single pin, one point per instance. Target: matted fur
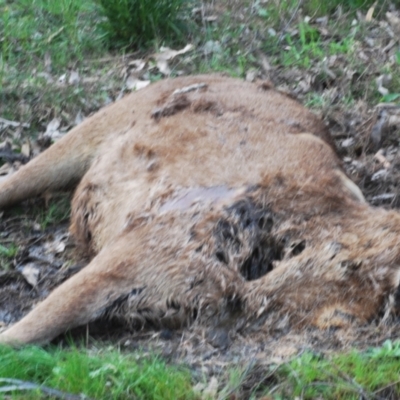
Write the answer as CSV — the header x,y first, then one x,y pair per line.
x,y
210,200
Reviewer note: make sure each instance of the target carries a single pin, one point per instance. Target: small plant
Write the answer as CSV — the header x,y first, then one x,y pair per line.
x,y
7,254
57,211
141,22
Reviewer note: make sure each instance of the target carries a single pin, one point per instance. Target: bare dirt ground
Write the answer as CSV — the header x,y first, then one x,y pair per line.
x,y
366,130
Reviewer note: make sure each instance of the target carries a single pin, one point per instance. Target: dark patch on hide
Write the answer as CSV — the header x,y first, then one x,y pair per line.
x,y
172,106
297,248
245,234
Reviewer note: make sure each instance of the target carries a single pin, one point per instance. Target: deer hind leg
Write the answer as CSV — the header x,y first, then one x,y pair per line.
x,y
77,301
138,277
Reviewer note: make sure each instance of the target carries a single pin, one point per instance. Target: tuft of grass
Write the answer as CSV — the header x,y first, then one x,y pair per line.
x,y
105,374
143,22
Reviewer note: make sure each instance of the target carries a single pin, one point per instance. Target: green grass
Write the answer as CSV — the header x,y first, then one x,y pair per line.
x,y
58,210
40,41
7,254
351,375
43,39
144,23
9,251
61,30
307,48
278,10
108,373
55,211
104,374
317,7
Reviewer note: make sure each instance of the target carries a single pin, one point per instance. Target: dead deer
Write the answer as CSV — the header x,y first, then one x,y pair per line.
x,y
213,201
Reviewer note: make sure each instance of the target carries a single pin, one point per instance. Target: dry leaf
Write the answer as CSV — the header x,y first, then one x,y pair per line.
x,y
90,79
285,351
379,156
163,67
26,149
31,273
167,54
47,62
6,169
211,390
46,75
394,120
79,118
52,127
251,75
62,79
348,142
73,78
5,122
380,81
56,247
132,83
378,128
52,130
370,13
379,175
137,65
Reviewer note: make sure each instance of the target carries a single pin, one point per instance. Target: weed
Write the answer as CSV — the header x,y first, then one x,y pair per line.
x,y
142,22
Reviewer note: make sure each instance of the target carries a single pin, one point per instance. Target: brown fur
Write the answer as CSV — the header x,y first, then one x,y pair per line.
x,y
209,203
